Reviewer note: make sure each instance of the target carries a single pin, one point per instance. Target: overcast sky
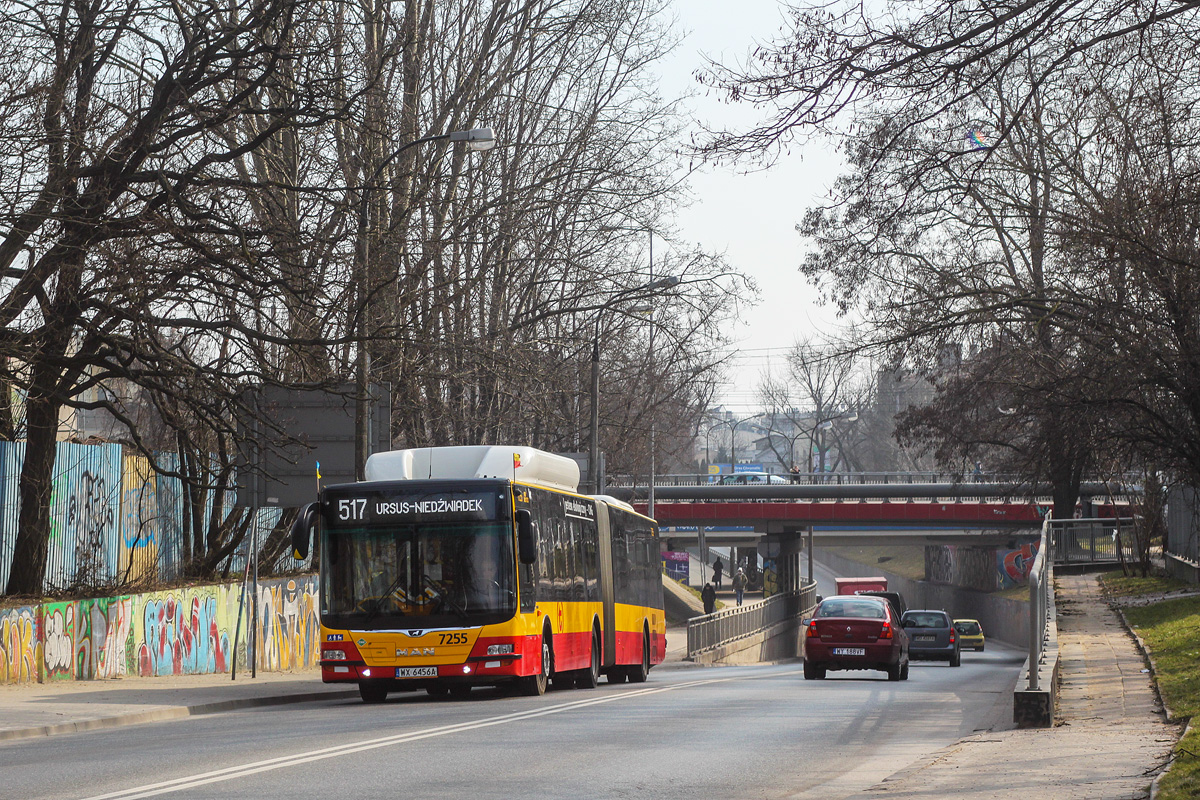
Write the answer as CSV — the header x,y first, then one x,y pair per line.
x,y
749,217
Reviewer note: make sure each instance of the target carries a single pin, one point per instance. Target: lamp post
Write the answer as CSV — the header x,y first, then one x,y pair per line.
x,y
474,139
733,424
594,436
652,382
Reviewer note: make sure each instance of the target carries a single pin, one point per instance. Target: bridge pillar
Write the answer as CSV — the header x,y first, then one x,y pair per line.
x,y
781,560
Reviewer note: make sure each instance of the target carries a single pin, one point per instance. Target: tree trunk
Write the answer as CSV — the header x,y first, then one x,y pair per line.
x,y
27,576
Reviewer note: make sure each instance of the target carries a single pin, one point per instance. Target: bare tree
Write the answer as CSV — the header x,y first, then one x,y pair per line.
x,y
118,219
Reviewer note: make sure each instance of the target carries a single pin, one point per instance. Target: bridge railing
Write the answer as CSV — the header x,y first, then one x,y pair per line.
x,y
814,478
722,627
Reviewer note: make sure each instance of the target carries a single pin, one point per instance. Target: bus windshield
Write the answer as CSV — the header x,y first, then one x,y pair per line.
x,y
450,574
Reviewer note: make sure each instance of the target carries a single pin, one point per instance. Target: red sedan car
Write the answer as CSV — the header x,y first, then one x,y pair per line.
x,y
855,632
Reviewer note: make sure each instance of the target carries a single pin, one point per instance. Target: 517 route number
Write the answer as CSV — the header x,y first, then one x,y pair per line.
x,y
354,509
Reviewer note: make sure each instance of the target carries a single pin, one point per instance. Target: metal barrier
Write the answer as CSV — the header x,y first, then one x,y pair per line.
x,y
1091,541
1041,603
811,479
730,624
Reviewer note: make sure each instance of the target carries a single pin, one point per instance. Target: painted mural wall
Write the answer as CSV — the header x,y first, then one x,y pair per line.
x,y
175,632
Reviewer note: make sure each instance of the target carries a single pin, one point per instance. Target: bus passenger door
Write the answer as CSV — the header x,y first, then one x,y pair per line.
x,y
606,584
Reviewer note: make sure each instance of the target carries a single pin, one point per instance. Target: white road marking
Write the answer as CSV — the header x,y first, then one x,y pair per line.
x,y
229,773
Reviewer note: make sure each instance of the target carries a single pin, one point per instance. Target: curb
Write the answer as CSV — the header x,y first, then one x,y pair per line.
x,y
176,712
1149,659
1167,712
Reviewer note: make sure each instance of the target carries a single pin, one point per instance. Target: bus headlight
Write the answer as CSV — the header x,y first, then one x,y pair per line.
x,y
499,649
334,655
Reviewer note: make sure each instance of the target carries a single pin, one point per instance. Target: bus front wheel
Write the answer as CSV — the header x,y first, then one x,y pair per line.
x,y
372,692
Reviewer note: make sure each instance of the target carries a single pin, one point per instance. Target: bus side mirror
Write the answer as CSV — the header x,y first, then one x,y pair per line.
x,y
302,530
526,543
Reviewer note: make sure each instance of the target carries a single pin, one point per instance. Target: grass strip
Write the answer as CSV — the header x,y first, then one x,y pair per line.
x,y
1117,585
1171,631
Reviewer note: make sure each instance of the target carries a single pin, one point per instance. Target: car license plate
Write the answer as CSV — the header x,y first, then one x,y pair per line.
x,y
849,651
923,638
416,672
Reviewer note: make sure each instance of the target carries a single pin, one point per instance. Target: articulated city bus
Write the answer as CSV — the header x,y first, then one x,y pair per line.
x,y
453,567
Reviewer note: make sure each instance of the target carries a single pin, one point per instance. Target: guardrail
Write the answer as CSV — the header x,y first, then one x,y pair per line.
x,y
719,628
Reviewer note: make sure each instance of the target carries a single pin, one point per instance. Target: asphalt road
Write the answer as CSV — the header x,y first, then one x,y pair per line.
x,y
718,732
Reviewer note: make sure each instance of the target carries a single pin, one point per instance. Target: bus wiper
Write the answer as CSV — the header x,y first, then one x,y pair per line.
x,y
377,606
445,600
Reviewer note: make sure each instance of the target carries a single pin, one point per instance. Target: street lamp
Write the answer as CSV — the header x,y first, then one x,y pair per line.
x,y
594,437
733,424
479,139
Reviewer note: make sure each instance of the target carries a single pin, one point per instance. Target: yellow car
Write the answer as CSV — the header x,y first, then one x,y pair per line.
x,y
970,634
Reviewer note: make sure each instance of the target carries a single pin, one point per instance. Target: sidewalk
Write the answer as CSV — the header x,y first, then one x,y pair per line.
x,y
1109,744
72,706
1110,738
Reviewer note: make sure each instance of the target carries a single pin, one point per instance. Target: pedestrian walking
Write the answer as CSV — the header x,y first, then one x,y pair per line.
x,y
709,595
739,585
717,567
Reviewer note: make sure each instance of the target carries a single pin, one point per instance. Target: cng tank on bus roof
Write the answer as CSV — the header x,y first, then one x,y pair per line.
x,y
525,464
612,501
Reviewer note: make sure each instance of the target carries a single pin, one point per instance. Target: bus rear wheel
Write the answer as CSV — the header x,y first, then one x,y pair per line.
x,y
639,673
535,685
590,678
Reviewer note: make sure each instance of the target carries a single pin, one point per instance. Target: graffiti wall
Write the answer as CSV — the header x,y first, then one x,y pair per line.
x,y
1012,566
960,565
984,568
113,520
85,516
20,645
288,626
138,559
191,630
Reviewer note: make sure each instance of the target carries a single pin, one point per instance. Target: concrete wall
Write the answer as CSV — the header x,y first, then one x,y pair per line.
x,y
1001,618
178,631
776,644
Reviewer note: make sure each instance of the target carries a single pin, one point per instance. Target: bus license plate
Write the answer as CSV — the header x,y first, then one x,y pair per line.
x,y
416,672
849,651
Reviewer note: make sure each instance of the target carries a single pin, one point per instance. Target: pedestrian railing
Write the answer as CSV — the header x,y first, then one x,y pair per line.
x,y
1092,541
1041,605
730,624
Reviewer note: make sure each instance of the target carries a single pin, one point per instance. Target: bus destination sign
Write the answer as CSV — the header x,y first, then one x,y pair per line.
x,y
425,507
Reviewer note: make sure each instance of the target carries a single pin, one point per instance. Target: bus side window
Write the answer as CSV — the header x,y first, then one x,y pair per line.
x,y
590,563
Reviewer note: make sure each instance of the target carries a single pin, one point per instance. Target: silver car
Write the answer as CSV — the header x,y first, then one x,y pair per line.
x,y
931,636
